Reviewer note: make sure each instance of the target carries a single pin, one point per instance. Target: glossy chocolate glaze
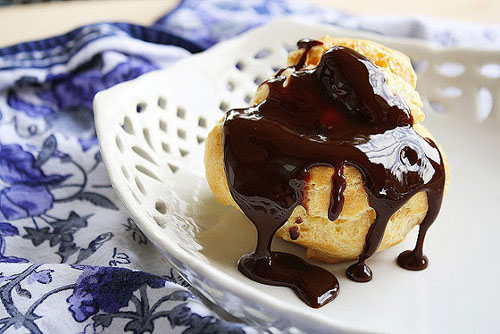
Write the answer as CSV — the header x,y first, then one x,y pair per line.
x,y
294,232
307,44
339,113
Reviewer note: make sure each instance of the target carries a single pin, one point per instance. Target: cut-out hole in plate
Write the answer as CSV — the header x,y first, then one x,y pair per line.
x,y
140,107
451,91
437,107
159,221
162,103
173,168
490,70
161,207
202,122
163,126
419,66
224,106
127,125
451,69
181,112
258,80
125,172
147,137
230,86
119,144
183,152
181,133
263,53
165,147
200,139
146,171
484,102
240,66
140,186
143,154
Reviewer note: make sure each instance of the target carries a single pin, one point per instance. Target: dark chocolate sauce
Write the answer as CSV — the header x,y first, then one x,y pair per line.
x,y
339,113
294,232
307,44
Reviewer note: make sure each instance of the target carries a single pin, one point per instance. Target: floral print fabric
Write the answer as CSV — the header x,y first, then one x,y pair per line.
x,y
71,260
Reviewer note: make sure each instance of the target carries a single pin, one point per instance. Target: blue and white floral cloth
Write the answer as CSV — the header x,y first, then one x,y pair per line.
x,y
71,260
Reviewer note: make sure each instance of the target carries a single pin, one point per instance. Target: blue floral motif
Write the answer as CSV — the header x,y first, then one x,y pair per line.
x,y
18,202
182,316
119,258
137,235
7,230
29,193
18,167
101,293
42,276
107,289
64,100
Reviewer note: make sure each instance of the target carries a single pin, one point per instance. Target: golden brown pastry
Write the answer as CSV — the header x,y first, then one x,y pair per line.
x,y
344,238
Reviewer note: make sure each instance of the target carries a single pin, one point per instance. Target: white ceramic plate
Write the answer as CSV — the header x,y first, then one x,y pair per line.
x,y
151,131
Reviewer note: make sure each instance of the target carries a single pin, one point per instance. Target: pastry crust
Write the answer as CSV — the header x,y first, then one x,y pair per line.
x,y
344,238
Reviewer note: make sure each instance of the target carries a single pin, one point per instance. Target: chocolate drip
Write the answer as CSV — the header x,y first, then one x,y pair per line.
x,y
307,44
314,285
339,114
294,232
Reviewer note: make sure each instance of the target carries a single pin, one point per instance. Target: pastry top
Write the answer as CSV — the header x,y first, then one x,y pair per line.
x,y
401,77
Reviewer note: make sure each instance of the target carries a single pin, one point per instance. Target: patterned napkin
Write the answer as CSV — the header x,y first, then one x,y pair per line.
x,y
71,260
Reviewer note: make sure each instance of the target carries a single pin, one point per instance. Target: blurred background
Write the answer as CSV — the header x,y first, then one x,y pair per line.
x,y
22,20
